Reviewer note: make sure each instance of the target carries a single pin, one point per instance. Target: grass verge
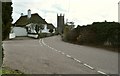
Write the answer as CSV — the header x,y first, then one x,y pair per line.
x,y
7,70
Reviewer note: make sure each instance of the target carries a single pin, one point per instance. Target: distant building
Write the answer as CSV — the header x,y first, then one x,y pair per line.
x,y
119,11
60,23
30,25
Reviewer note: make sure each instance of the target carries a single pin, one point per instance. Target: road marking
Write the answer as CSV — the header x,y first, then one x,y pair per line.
x,y
102,73
90,67
40,42
63,53
55,50
59,51
43,42
52,48
68,56
79,61
47,45
75,59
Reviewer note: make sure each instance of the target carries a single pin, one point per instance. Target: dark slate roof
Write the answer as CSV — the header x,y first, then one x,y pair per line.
x,y
50,26
35,18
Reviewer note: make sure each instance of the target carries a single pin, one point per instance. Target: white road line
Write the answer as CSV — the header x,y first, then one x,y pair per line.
x,y
79,61
52,48
49,46
89,66
75,59
55,50
68,56
59,51
40,42
63,53
102,72
43,42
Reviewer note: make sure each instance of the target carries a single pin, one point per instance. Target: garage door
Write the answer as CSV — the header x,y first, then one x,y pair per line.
x,y
20,31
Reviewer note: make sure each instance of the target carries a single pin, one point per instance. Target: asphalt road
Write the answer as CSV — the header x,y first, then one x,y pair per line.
x,y
53,56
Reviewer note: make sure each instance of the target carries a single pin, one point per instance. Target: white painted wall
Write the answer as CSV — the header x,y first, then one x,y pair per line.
x,y
31,26
11,35
19,31
45,30
34,36
53,30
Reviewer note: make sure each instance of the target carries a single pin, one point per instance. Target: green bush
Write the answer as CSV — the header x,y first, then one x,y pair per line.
x,y
97,33
42,35
6,19
70,34
107,31
86,37
7,71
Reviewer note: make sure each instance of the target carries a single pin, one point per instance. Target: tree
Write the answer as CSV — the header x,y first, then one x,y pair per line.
x,y
66,30
6,19
37,29
86,36
69,34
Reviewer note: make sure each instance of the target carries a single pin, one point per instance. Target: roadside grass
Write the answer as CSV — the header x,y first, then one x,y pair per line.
x,y
7,70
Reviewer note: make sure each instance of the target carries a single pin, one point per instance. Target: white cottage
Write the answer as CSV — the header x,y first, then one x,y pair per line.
x,y
30,25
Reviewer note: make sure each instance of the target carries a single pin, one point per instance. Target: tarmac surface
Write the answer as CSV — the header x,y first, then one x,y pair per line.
x,y
53,56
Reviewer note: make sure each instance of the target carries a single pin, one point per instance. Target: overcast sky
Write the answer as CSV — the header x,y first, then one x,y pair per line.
x,y
81,12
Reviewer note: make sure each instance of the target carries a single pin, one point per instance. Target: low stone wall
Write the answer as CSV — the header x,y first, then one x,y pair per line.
x,y
33,35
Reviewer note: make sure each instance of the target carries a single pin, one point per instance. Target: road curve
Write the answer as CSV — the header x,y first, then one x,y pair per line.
x,y
53,56
101,59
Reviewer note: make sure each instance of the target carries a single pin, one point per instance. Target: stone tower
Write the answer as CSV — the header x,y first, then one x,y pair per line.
x,y
60,23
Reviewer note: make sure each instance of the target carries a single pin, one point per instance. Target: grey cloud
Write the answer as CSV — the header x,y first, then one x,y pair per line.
x,y
59,8
47,11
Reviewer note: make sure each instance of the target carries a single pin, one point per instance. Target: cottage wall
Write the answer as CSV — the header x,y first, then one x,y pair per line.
x,y
45,30
20,31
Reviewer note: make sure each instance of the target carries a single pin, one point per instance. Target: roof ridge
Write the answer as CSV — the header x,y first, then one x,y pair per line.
x,y
31,14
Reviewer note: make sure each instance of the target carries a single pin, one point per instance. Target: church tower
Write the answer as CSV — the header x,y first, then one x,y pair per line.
x,y
60,23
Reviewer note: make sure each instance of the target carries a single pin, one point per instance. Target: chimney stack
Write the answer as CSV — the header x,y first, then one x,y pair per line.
x,y
21,14
29,13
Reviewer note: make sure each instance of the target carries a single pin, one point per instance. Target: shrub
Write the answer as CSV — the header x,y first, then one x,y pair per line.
x,y
97,33
42,35
87,37
51,30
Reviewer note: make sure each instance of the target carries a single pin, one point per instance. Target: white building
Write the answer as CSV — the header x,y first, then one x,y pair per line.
x,y
30,25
